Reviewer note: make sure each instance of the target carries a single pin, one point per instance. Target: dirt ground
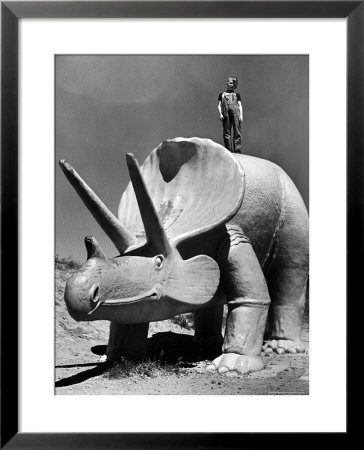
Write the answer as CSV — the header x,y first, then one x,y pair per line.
x,y
182,370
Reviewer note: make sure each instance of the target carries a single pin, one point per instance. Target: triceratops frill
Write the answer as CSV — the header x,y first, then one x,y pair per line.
x,y
197,226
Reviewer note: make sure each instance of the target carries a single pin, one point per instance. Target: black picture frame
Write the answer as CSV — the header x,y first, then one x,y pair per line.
x,y
11,13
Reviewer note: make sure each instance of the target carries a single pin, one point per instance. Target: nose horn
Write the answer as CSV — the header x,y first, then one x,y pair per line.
x,y
93,248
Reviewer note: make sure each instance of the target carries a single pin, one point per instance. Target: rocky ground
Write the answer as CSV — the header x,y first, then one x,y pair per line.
x,y
176,366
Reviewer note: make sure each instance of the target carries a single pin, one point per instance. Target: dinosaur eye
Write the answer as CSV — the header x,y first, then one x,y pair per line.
x,y
158,262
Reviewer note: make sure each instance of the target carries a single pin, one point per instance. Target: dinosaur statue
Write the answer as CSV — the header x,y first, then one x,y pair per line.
x,y
196,228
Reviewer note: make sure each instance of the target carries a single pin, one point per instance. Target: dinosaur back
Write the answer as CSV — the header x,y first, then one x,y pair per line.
x,y
261,215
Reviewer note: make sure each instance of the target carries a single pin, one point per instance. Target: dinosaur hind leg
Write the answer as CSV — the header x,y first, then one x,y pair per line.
x,y
288,295
287,277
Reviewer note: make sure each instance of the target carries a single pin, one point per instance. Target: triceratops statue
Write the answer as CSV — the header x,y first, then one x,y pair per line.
x,y
198,227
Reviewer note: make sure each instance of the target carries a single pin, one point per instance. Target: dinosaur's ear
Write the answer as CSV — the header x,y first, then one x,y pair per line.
x,y
193,281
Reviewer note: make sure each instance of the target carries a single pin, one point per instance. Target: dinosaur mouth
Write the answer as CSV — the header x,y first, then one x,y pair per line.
x,y
152,295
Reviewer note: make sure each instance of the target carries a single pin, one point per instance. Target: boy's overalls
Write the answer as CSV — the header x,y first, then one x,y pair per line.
x,y
230,111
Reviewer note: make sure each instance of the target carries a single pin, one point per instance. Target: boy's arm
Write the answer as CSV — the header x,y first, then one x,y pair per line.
x,y
241,118
219,109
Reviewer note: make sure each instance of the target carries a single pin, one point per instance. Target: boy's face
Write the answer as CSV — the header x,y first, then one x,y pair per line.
x,y
231,84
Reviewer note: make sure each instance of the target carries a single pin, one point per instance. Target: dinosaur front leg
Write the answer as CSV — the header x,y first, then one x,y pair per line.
x,y
127,341
248,302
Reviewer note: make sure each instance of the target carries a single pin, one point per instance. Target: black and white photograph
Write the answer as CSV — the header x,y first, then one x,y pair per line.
x,y
182,216
181,224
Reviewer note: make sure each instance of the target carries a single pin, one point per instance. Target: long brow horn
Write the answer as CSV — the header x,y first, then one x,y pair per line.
x,y
118,234
155,233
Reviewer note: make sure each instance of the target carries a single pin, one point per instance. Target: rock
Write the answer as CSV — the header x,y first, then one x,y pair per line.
x,y
273,344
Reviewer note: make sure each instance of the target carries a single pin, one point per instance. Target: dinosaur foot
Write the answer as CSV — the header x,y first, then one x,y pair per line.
x,y
282,346
228,362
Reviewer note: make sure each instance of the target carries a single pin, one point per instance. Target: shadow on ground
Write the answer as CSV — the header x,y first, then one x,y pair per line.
x,y
166,347
173,347
82,376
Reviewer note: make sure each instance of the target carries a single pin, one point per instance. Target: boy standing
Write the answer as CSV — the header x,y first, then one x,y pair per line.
x,y
231,115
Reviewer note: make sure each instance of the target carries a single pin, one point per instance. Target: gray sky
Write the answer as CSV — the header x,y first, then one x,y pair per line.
x,y
107,106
